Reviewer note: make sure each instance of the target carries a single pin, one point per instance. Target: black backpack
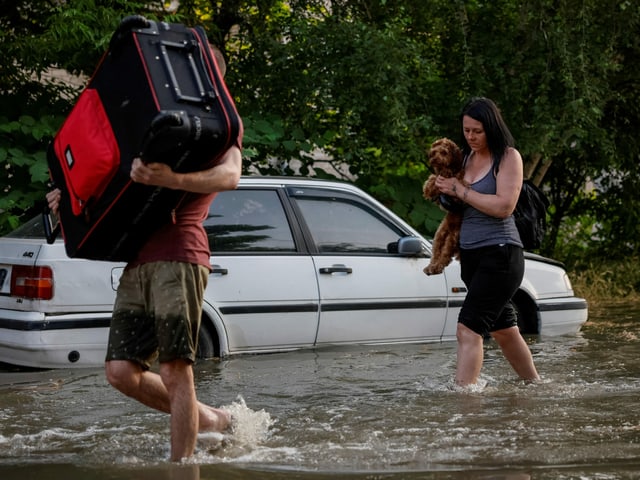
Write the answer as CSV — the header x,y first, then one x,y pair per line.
x,y
531,215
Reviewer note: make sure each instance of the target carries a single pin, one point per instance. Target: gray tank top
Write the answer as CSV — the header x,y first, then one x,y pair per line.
x,y
481,230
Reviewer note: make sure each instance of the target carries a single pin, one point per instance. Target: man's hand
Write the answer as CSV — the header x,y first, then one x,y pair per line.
x,y
225,175
156,174
53,199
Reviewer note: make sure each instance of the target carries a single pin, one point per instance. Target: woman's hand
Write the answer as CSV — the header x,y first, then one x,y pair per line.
x,y
449,186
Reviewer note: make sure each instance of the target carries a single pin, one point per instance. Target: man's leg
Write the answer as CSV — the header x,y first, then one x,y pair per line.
x,y
177,377
148,388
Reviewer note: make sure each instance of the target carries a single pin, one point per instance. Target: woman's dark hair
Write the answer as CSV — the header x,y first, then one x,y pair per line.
x,y
498,135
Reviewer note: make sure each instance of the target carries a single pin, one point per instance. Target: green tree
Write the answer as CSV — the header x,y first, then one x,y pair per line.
x,y
318,81
36,37
369,84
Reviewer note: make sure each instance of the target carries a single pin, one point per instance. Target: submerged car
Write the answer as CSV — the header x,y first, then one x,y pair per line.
x,y
295,263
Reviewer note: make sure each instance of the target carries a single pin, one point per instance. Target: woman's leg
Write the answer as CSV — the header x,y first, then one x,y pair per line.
x,y
469,357
517,352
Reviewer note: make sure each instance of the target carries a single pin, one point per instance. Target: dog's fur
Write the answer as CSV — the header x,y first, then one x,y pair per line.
x,y
445,158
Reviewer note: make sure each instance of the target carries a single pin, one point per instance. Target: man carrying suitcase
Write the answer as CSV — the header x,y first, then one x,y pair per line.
x,y
159,302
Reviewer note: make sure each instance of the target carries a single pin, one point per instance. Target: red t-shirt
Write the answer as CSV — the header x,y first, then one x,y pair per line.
x,y
181,240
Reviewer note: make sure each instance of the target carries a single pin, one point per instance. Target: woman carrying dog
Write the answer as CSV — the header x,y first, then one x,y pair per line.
x,y
491,253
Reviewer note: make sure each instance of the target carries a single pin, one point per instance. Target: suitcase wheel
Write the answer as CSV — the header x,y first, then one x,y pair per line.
x,y
166,131
133,21
167,119
127,24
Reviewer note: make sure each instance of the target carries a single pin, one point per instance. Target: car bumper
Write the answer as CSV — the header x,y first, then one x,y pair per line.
x,y
33,339
562,316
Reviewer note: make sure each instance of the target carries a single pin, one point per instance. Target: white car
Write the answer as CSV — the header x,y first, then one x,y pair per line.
x,y
296,263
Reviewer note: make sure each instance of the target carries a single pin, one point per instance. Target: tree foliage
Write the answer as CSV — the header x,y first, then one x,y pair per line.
x,y
360,88
37,37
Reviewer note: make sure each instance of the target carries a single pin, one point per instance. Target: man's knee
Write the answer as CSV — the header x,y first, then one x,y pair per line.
x,y
176,374
122,375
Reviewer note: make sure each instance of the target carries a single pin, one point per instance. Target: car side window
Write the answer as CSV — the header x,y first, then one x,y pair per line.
x,y
248,220
343,225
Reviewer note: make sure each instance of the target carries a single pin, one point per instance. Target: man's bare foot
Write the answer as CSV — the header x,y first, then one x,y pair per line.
x,y
214,419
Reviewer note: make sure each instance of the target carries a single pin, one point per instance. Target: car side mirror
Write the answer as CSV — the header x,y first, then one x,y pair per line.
x,y
407,247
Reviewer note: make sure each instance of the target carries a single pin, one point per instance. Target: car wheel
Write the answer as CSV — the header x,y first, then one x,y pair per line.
x,y
206,343
526,314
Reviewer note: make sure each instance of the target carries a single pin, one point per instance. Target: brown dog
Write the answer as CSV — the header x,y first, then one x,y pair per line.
x,y
445,158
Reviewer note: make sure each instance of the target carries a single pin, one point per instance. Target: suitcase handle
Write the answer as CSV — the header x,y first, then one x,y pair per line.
x,y
204,93
50,232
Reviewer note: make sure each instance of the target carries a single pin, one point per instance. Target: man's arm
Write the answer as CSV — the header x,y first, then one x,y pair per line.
x,y
224,176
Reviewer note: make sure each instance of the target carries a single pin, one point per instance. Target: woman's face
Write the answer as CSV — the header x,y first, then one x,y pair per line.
x,y
474,134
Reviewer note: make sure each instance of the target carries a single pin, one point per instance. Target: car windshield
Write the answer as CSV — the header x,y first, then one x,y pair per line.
x,y
34,228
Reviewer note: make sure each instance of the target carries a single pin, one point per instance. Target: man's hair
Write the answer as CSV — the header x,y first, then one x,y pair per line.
x,y
222,64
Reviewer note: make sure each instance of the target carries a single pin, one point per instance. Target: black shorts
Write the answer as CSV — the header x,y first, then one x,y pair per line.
x,y
492,275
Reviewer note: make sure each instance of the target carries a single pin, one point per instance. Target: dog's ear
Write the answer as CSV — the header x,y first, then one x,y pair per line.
x,y
456,157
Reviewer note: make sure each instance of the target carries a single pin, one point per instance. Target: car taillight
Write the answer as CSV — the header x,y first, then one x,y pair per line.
x,y
32,282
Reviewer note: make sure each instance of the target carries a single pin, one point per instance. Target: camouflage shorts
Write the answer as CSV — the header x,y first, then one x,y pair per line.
x,y
157,313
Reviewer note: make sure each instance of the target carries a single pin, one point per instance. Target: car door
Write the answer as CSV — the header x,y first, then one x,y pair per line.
x,y
368,292
263,283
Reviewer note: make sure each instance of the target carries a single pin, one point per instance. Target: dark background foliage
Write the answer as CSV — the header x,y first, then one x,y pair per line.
x,y
359,89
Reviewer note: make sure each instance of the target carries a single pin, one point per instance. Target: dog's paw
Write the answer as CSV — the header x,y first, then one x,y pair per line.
x,y
433,269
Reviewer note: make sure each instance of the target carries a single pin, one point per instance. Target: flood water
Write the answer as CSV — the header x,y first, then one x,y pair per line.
x,y
383,413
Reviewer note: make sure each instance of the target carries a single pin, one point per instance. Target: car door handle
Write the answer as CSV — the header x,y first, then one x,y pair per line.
x,y
218,270
336,269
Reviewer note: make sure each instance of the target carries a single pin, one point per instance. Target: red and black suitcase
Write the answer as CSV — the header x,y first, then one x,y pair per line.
x,y
157,94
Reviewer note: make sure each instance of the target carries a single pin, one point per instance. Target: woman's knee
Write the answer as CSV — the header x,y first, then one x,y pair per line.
x,y
465,335
505,334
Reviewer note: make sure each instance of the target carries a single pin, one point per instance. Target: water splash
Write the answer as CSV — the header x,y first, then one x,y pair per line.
x,y
449,385
250,428
479,387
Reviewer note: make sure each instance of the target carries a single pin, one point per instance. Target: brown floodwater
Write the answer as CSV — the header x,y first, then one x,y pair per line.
x,y
387,412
